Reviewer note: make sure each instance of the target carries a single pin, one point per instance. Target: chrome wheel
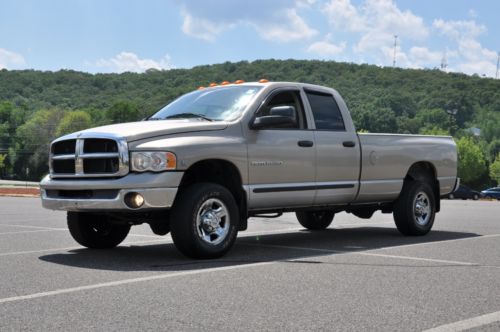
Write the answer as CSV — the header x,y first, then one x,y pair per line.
x,y
422,209
212,221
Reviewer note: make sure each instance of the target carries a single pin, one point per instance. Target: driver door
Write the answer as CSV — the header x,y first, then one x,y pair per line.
x,y
281,160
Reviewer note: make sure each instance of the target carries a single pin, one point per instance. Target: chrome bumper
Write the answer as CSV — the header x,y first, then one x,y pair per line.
x,y
159,191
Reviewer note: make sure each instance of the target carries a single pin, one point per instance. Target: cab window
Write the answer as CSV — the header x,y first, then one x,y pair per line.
x,y
326,112
286,98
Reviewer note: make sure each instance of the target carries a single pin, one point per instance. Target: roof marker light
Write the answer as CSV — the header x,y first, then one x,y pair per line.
x,y
263,81
225,83
213,84
239,82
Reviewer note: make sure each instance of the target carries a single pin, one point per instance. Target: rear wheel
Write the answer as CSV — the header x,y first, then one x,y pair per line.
x,y
204,221
315,220
415,209
96,231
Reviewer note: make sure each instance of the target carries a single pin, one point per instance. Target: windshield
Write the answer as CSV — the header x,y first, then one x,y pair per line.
x,y
219,104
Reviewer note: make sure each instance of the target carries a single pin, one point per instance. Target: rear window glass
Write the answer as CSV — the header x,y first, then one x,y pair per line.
x,y
326,112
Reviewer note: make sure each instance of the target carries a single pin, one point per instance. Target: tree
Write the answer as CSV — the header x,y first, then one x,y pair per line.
x,y
471,160
123,112
495,170
2,163
72,122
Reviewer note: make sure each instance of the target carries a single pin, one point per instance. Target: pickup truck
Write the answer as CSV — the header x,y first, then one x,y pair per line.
x,y
204,164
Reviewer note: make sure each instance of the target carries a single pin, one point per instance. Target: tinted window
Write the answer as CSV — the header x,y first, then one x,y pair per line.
x,y
286,98
326,112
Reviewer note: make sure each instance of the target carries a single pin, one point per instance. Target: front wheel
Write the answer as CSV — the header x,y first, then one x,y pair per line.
x,y
204,221
95,231
315,220
415,209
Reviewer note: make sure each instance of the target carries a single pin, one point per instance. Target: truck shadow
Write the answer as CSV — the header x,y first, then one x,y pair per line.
x,y
290,247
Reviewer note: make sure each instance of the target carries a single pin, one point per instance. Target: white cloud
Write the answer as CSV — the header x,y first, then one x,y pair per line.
x,y
202,28
421,57
276,20
377,21
128,61
291,28
10,59
473,58
326,48
459,29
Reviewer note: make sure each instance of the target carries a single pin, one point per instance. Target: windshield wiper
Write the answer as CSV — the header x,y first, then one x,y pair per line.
x,y
188,115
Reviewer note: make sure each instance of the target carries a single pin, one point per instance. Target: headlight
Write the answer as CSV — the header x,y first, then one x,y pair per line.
x,y
154,161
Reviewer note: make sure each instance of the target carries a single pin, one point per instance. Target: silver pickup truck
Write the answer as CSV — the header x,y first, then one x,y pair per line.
x,y
209,160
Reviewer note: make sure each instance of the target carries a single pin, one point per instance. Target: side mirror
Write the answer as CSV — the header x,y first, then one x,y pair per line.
x,y
280,116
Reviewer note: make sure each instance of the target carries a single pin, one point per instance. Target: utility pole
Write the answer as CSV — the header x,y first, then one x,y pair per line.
x,y
498,64
395,46
444,62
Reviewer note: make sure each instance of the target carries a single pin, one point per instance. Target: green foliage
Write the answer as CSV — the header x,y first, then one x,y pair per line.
x,y
2,162
123,112
380,100
495,170
471,160
72,122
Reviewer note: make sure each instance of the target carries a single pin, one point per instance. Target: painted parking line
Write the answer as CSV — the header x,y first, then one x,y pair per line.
x,y
130,281
36,227
469,323
71,248
364,253
33,231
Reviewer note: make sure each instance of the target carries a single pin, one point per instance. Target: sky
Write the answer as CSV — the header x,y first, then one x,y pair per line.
x,y
104,36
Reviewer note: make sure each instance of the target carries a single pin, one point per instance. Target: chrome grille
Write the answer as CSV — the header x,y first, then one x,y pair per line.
x,y
88,157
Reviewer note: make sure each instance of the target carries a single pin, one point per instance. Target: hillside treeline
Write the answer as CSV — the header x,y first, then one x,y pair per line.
x,y
36,106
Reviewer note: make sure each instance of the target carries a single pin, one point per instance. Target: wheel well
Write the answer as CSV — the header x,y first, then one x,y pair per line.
x,y
426,172
221,172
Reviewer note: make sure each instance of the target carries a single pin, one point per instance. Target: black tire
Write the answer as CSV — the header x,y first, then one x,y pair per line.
x,y
408,220
196,239
95,231
315,220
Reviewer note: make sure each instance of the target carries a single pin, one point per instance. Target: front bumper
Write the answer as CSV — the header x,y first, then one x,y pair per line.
x,y
158,189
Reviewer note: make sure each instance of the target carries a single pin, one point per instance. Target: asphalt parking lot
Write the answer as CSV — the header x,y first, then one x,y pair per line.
x,y
357,275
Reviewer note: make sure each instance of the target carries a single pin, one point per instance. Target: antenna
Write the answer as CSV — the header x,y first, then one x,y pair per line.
x,y
498,64
395,46
444,62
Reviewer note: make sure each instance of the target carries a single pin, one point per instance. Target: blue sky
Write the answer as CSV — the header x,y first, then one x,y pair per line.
x,y
116,36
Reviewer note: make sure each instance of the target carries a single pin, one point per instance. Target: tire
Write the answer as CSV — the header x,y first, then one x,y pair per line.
x,y
315,220
451,196
204,221
95,231
475,197
408,220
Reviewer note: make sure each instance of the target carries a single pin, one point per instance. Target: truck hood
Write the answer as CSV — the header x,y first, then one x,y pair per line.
x,y
133,131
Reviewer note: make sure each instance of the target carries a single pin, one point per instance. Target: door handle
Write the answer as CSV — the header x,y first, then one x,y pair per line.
x,y
305,144
349,144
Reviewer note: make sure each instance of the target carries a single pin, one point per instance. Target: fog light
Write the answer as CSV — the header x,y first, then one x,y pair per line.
x,y
134,200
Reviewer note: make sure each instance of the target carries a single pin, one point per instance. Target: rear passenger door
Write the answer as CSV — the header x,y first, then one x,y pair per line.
x,y
337,150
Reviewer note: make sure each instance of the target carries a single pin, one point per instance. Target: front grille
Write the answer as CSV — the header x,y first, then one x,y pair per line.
x,y
89,157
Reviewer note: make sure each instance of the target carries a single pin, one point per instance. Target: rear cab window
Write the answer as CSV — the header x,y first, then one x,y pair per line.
x,y
326,112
